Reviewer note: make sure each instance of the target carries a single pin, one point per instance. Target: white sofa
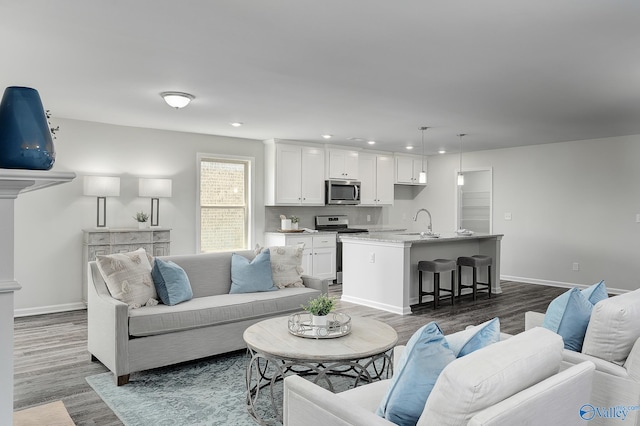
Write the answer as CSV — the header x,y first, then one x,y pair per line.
x,y
515,381
615,384
211,323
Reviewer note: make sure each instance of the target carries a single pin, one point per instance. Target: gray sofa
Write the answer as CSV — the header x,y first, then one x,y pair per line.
x,y
211,323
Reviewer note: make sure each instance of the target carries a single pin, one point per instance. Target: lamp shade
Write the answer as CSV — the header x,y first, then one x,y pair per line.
x,y
102,186
154,188
25,138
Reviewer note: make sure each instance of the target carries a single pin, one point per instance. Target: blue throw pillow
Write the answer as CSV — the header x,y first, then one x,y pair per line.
x,y
568,315
596,292
419,366
171,282
474,338
251,277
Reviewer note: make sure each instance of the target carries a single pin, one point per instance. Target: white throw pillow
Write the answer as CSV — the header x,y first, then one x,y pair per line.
x,y
128,277
489,375
286,265
613,328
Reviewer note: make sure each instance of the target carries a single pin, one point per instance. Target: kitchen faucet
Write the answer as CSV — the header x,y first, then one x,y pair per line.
x,y
415,219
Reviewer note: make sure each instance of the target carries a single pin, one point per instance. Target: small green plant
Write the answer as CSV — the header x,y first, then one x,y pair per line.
x,y
141,217
294,219
320,306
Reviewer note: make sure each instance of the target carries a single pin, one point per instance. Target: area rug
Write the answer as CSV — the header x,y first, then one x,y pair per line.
x,y
52,414
211,392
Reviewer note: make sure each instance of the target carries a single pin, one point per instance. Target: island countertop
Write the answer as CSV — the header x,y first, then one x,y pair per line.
x,y
414,237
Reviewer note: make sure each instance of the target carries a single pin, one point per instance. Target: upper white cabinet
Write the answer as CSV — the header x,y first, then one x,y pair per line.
x,y
376,177
408,169
343,164
294,174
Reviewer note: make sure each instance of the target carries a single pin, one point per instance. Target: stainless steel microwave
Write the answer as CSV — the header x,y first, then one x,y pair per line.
x,y
346,192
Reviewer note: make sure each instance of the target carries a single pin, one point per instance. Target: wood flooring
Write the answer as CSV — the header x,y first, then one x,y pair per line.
x,y
51,358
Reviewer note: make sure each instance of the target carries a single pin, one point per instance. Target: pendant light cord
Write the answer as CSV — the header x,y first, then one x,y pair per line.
x,y
423,128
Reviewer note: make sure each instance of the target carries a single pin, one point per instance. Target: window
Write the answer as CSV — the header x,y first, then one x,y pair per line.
x,y
223,203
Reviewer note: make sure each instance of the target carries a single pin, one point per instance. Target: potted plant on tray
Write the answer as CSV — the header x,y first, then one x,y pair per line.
x,y
294,222
141,218
319,308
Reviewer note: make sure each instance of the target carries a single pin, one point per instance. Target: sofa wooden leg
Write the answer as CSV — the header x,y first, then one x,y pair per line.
x,y
122,380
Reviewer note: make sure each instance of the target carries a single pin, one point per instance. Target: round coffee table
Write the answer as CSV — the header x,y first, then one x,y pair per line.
x,y
364,355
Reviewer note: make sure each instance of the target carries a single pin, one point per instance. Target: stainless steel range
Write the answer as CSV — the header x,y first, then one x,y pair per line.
x,y
339,224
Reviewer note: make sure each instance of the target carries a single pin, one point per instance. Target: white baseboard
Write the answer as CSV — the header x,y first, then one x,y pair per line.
x,y
25,312
373,304
556,283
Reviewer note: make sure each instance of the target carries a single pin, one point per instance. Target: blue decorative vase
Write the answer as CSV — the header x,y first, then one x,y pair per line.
x,y
25,138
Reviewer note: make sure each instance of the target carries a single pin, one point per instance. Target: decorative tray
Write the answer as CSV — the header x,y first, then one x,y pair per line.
x,y
301,324
290,230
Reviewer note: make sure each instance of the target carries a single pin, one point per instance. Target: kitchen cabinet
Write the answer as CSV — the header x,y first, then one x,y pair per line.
x,y
100,242
376,177
408,169
319,255
294,174
343,164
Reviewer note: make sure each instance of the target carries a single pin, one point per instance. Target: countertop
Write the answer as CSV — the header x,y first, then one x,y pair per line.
x,y
379,228
302,233
390,237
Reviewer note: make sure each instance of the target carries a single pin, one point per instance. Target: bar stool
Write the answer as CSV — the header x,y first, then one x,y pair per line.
x,y
475,262
436,267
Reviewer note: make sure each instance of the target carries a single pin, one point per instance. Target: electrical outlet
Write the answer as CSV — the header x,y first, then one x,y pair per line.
x,y
372,258
368,218
507,216
637,217
576,266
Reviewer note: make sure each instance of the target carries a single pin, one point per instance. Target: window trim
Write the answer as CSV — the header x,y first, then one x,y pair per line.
x,y
200,156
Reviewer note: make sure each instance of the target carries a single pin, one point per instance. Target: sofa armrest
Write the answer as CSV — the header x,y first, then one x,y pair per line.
x,y
555,400
532,319
316,283
308,404
107,324
632,364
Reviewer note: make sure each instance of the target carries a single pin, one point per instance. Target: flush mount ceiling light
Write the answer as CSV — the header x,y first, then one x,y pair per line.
x,y
177,99
460,174
422,177
237,123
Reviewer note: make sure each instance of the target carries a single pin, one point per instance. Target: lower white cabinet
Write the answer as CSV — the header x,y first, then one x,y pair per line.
x,y
319,255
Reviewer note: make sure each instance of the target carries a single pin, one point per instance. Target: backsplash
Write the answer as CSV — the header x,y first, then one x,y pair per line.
x,y
357,215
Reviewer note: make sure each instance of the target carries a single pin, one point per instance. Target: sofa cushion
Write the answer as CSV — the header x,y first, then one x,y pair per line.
x,y
485,377
286,265
128,277
473,338
420,364
568,315
251,276
613,328
209,273
212,310
171,281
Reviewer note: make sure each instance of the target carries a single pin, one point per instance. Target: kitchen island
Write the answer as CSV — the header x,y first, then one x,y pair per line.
x,y
380,270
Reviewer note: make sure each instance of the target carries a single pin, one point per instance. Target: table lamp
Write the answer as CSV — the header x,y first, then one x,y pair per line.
x,y
156,189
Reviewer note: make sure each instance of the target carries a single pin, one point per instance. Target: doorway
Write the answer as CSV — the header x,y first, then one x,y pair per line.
x,y
474,199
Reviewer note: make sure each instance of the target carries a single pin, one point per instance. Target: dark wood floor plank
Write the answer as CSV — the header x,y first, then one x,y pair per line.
x,y
52,361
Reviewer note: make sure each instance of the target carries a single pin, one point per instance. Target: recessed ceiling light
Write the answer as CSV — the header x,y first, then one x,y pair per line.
x,y
442,151
409,147
371,142
327,136
237,123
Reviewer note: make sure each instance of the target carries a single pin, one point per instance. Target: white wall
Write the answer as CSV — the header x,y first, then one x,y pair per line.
x,y
570,202
48,233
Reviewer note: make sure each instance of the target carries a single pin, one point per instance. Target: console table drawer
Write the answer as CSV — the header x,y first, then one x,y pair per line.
x,y
131,237
97,238
125,248
98,251
161,236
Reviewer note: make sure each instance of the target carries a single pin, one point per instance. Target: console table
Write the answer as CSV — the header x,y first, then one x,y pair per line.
x,y
99,242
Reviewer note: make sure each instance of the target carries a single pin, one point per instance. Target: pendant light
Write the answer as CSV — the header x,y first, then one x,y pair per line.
x,y
460,174
422,177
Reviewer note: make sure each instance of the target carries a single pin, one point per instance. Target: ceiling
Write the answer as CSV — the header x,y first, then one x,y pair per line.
x,y
505,72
